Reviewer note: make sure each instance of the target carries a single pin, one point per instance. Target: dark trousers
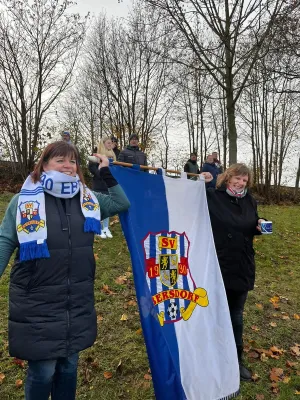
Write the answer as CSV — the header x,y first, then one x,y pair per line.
x,y
236,302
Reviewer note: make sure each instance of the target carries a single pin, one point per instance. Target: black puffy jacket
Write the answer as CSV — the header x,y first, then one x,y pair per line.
x,y
234,222
133,155
51,308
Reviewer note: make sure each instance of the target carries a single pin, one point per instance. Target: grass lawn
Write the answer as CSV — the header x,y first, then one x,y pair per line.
x,y
272,322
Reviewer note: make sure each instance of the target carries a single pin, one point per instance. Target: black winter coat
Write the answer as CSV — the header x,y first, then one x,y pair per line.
x,y
99,184
133,155
234,224
51,308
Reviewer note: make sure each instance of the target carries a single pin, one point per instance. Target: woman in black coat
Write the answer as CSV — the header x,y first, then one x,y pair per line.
x,y
234,220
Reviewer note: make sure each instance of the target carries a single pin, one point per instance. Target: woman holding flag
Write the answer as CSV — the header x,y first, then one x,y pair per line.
x,y
234,221
52,223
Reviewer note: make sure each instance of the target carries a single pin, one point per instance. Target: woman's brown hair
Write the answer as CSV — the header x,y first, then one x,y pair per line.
x,y
234,170
57,149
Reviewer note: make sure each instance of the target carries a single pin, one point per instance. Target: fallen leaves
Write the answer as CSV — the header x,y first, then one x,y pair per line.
x,y
121,280
147,377
20,363
124,317
276,374
2,377
255,328
276,350
99,318
295,350
132,303
105,289
291,364
19,383
108,375
255,377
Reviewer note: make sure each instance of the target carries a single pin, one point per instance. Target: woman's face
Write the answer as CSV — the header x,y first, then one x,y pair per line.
x,y
66,165
238,182
108,144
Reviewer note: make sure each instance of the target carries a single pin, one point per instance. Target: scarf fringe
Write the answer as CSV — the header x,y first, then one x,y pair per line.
x,y
32,250
92,225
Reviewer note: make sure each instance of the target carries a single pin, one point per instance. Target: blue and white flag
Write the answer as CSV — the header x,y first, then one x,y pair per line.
x,y
182,301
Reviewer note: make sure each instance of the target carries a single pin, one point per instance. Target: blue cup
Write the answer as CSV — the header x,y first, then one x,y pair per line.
x,y
266,227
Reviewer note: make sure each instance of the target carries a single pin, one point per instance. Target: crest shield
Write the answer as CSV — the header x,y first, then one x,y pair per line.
x,y
168,266
30,217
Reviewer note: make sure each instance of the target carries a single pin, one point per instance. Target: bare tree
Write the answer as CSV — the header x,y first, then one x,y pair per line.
x,y
237,28
133,78
39,45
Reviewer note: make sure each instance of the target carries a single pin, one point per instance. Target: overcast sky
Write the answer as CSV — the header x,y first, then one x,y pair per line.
x,y
111,7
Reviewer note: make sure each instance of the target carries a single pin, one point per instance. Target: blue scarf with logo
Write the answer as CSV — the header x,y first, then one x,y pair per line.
x,y
31,223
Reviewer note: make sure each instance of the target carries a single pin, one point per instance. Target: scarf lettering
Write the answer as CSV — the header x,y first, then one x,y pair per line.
x,y
69,187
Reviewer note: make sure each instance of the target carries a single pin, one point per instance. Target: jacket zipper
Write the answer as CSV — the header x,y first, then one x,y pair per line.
x,y
68,282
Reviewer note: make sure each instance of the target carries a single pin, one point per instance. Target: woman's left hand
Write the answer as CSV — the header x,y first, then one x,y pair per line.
x,y
104,162
258,224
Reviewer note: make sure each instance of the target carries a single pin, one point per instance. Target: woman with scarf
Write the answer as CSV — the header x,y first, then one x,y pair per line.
x,y
234,221
51,223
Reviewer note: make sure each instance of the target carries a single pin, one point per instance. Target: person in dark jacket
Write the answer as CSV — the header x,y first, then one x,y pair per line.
x,y
52,223
132,154
192,167
234,221
114,141
209,166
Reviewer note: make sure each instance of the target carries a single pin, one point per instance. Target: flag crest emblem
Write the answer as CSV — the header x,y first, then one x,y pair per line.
x,y
174,293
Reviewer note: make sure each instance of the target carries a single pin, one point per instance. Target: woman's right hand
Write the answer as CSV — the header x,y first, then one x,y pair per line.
x,y
103,160
207,176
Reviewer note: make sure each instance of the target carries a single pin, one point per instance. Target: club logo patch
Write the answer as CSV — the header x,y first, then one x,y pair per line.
x,y
173,290
30,217
88,203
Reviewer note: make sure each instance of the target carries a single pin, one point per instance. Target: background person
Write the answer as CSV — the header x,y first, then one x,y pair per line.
x,y
192,167
51,297
209,166
99,185
132,154
114,141
66,137
217,162
234,221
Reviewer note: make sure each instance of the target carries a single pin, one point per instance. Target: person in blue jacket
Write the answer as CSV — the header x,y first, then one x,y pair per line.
x,y
210,166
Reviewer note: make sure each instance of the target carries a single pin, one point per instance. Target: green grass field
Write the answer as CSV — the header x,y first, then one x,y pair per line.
x,y
271,322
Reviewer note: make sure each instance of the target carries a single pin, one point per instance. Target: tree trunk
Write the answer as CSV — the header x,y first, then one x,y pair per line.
x,y
297,181
232,135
